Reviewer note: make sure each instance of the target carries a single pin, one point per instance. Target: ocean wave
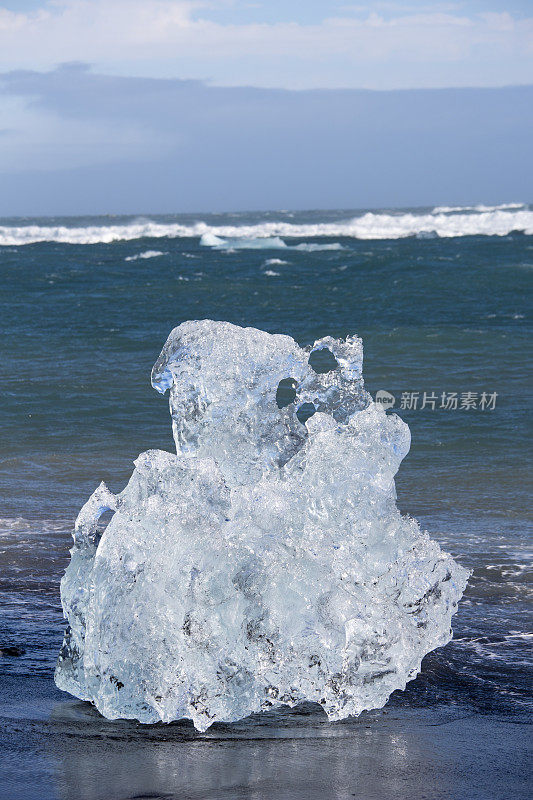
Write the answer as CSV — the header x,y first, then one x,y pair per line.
x,y
513,648
480,207
146,254
16,525
370,225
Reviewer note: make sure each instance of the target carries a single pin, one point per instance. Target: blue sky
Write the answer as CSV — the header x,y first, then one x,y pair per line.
x,y
140,88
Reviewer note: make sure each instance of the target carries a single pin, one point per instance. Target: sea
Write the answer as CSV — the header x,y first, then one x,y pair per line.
x,y
442,300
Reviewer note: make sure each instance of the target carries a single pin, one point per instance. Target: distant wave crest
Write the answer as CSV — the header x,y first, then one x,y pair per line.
x,y
480,207
441,222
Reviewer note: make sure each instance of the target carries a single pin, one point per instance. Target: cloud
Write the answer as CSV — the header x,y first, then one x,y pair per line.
x,y
84,142
54,120
391,48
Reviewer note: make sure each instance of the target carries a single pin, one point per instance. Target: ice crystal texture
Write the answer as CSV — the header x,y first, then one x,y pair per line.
x,y
264,563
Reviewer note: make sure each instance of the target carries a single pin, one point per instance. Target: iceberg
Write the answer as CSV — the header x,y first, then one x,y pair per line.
x,y
263,563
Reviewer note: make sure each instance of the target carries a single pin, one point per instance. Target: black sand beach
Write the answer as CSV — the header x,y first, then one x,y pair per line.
x,y
55,749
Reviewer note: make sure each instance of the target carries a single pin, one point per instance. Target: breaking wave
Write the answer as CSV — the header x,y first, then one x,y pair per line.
x,y
444,222
480,207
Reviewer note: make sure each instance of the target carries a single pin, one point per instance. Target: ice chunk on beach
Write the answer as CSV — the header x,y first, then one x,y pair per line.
x,y
263,563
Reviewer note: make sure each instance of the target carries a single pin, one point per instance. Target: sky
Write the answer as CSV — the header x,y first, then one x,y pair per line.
x,y
139,106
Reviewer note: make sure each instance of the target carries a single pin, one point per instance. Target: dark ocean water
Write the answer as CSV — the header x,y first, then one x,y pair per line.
x,y
83,323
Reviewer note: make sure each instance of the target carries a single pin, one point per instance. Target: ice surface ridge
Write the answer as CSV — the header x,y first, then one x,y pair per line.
x,y
266,561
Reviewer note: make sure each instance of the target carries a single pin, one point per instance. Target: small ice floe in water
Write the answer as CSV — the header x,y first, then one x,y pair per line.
x,y
262,243
146,254
244,243
314,247
263,563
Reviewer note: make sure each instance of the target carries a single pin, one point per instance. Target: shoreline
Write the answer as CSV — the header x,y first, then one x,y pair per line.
x,y
53,748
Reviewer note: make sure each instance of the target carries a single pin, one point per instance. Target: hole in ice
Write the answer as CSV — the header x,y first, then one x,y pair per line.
x,y
103,521
286,393
323,360
305,411
105,518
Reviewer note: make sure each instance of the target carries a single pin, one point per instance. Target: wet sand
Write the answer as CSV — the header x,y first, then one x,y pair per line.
x,y
54,748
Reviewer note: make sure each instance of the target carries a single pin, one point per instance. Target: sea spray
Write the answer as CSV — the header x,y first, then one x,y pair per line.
x,y
444,222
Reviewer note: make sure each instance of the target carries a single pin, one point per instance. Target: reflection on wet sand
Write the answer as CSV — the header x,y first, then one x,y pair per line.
x,y
289,754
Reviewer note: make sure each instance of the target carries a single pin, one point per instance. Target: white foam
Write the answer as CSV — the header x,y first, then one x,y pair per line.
x,y
371,225
15,525
271,273
146,254
272,261
481,207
